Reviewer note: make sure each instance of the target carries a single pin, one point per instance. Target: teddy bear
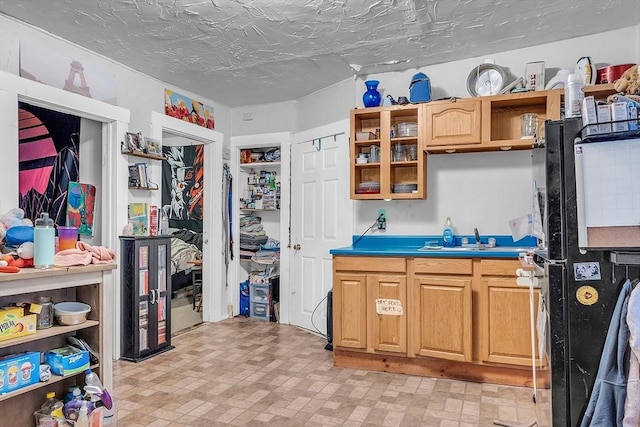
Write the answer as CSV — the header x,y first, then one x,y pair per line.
x,y
629,84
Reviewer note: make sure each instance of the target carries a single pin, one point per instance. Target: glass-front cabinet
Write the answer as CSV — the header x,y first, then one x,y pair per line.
x,y
146,296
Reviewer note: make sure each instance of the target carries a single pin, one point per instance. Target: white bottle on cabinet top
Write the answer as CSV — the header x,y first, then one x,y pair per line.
x,y
573,96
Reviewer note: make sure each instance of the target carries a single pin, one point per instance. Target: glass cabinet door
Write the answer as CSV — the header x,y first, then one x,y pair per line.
x,y
162,294
143,292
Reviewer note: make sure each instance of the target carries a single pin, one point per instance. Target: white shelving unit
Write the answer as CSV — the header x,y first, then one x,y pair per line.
x,y
91,285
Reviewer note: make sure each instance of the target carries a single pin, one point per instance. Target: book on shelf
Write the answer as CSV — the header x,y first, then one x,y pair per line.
x,y
144,178
139,217
153,220
134,176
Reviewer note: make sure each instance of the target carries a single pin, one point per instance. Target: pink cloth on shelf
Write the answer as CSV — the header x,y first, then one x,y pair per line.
x,y
85,254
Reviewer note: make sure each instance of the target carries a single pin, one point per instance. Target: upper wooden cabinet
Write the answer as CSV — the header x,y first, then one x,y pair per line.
x,y
453,123
487,123
399,171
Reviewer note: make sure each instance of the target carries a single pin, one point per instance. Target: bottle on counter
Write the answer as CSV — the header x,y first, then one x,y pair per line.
x,y
448,238
44,242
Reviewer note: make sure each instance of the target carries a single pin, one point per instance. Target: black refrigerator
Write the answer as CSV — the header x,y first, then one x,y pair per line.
x,y
580,286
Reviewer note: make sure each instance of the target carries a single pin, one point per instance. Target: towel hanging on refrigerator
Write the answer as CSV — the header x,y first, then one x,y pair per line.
x,y
632,406
606,405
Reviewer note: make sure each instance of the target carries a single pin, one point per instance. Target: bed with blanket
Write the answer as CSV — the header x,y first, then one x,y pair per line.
x,y
186,245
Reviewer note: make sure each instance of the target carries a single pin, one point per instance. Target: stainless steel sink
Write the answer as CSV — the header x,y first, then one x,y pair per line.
x,y
489,249
474,248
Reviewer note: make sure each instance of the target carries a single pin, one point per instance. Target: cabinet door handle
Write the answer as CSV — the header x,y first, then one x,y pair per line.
x,y
152,294
297,247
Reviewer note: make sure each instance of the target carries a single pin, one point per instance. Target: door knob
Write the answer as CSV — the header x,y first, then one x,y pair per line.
x,y
296,246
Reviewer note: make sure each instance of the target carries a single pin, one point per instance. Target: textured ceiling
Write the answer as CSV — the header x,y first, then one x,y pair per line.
x,y
245,52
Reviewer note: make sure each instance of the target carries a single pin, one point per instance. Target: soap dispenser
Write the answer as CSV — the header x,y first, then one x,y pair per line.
x,y
448,238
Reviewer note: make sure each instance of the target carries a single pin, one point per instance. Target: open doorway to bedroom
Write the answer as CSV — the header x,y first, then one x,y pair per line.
x,y
184,206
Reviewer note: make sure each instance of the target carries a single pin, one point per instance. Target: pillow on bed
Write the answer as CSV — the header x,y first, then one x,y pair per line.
x,y
181,254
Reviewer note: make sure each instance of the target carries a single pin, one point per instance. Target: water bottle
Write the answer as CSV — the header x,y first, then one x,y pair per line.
x,y
573,96
164,223
44,242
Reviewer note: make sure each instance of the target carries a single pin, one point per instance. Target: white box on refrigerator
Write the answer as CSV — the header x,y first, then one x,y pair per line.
x,y
589,115
604,118
619,113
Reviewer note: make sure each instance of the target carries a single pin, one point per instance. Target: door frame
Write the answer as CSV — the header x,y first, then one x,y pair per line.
x,y
238,143
213,275
115,123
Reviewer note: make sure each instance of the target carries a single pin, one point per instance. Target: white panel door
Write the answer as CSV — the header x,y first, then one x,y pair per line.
x,y
321,219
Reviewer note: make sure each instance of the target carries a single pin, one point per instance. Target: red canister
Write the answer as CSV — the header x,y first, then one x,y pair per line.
x,y
612,73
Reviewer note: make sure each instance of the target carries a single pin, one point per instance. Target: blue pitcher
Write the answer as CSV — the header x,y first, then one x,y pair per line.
x,y
420,88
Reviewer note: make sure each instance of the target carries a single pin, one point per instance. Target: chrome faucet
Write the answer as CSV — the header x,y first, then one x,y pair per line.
x,y
475,231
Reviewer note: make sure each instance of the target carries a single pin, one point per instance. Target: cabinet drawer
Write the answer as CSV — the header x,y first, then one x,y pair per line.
x,y
442,266
260,311
369,264
259,292
499,267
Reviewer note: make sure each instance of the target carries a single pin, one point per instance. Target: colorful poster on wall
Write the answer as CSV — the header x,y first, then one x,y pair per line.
x,y
183,186
72,75
48,155
187,109
81,202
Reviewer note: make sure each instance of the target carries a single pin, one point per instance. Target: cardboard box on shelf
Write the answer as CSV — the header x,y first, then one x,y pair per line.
x,y
619,114
18,371
67,360
589,115
534,75
604,118
14,324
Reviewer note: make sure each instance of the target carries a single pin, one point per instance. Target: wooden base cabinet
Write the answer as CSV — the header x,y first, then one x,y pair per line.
x,y
506,326
369,309
386,317
441,322
350,310
460,318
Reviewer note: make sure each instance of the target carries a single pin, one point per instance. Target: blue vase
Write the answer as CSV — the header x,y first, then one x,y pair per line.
x,y
371,97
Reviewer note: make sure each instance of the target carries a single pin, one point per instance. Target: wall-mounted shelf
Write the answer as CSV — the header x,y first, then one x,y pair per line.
x,y
143,154
144,188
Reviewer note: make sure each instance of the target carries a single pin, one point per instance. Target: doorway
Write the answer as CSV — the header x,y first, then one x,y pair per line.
x,y
214,291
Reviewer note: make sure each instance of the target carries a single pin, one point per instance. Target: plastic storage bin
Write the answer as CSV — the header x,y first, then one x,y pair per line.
x,y
260,310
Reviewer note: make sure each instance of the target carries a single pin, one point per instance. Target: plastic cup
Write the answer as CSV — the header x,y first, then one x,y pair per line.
x,y
67,238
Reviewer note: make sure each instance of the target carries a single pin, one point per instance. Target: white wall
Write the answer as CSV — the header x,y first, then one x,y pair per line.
x,y
482,190
138,93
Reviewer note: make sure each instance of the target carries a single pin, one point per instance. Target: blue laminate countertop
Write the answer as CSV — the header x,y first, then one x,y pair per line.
x,y
431,246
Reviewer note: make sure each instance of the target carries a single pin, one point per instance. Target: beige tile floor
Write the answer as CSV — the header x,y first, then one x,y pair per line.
x,y
247,372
